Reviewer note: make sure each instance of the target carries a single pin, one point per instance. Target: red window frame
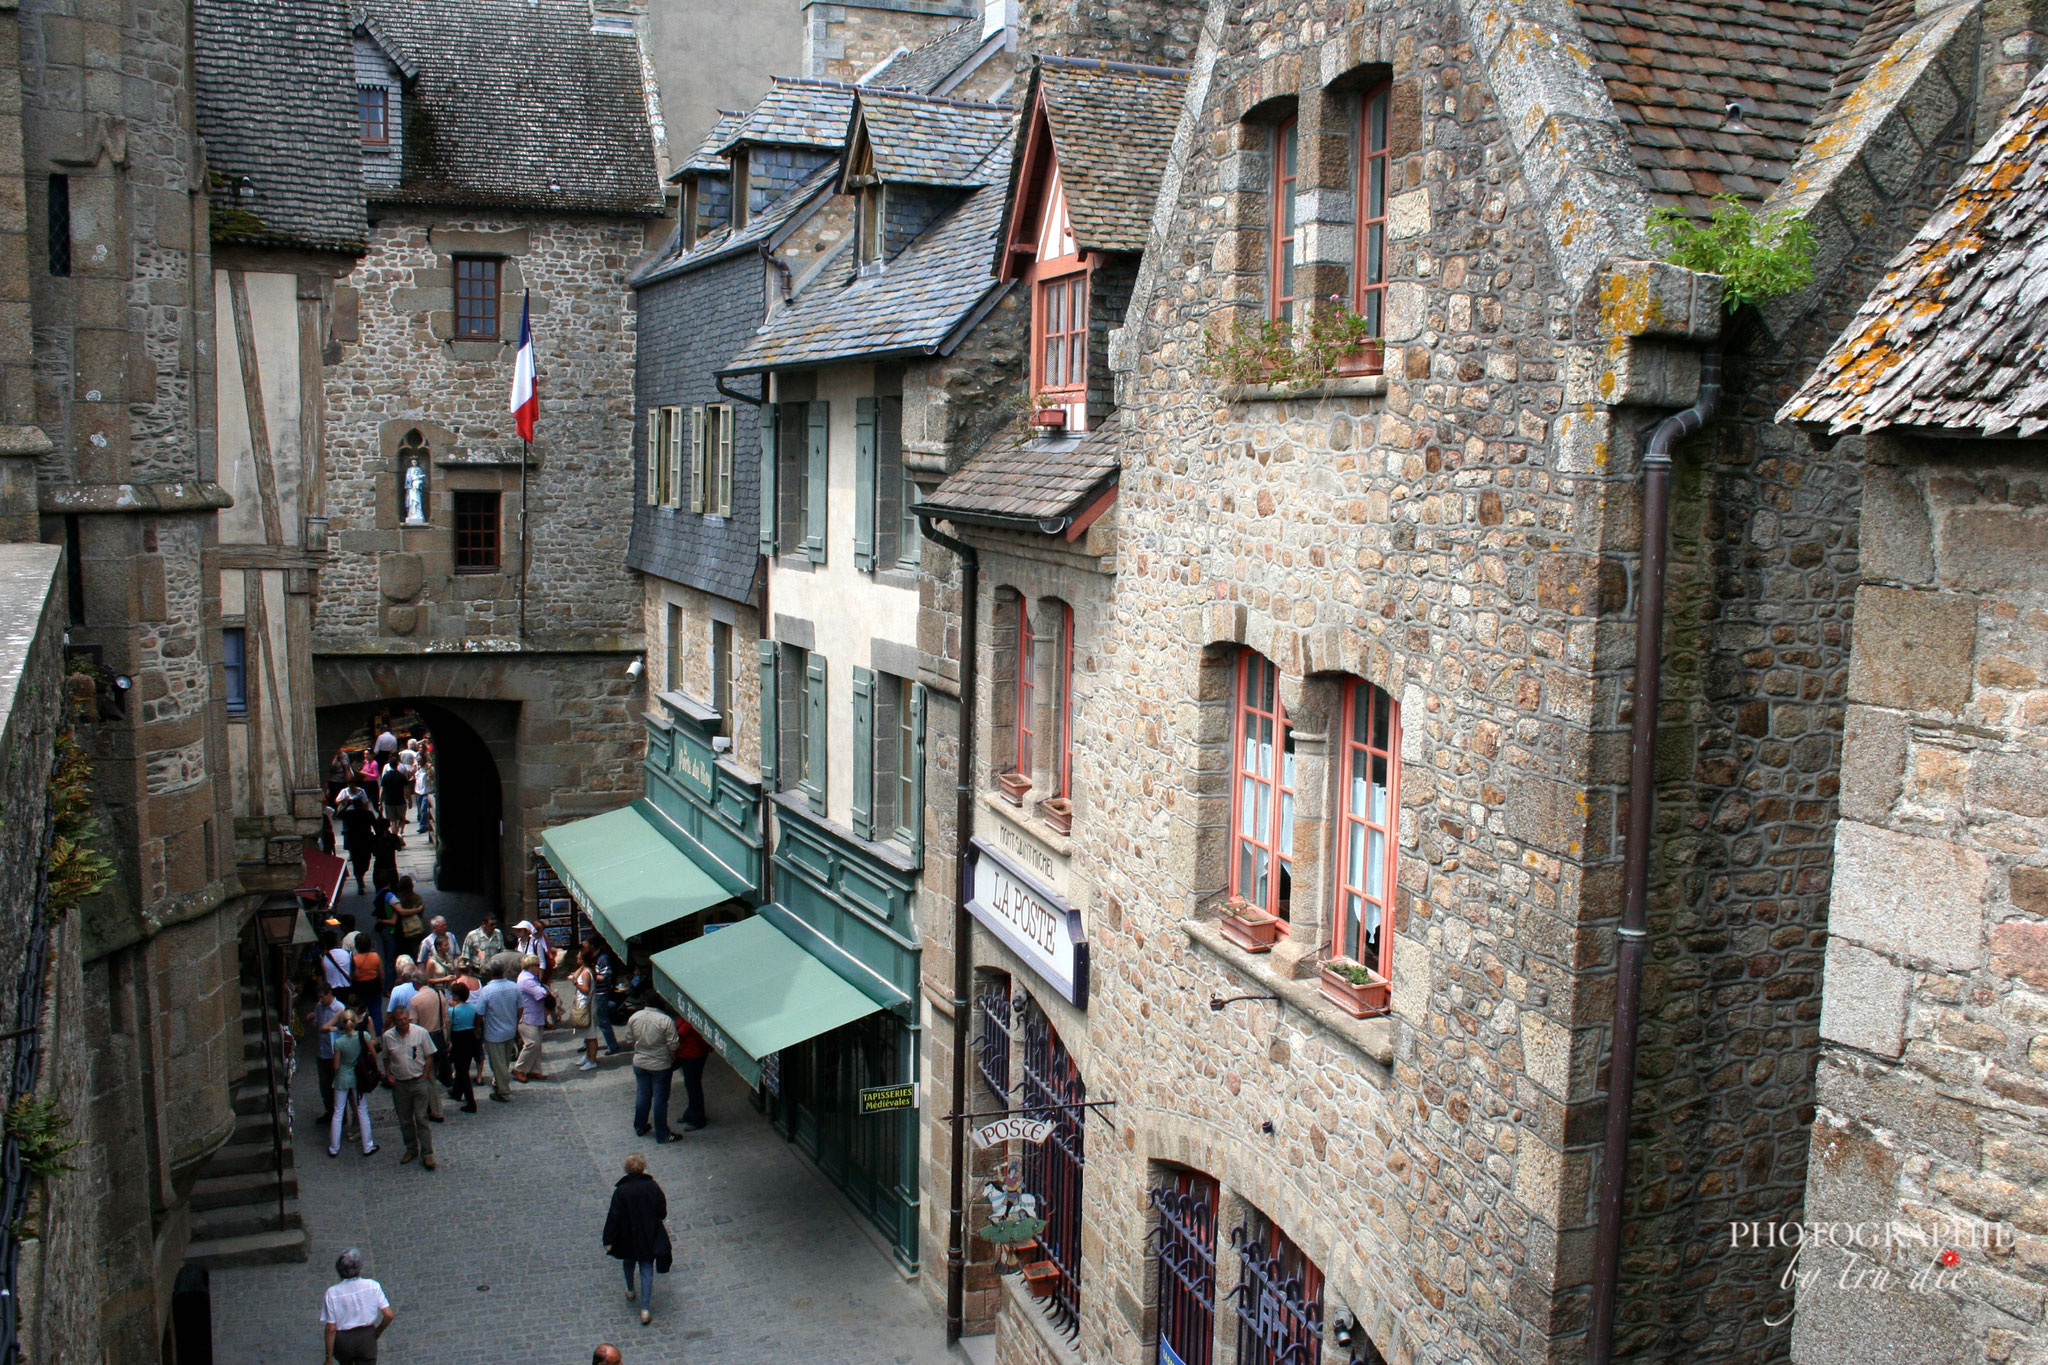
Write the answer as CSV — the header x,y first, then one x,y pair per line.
x,y
1059,321
1261,799
1369,272
1370,748
1021,740
1286,171
1063,704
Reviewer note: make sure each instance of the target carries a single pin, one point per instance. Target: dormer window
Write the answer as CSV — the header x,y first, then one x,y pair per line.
x,y
1062,321
739,189
871,225
687,210
373,112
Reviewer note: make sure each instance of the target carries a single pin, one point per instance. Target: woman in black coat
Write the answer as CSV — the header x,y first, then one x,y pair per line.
x,y
634,1231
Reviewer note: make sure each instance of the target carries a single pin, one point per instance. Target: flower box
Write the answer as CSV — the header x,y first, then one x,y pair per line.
x,y
1041,1278
1357,998
1255,931
1015,785
1055,418
1058,812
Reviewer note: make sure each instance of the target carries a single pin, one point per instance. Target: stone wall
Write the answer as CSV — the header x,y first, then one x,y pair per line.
x,y
845,41
698,611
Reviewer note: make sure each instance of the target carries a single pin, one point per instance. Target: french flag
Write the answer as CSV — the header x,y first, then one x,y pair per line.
x,y
525,402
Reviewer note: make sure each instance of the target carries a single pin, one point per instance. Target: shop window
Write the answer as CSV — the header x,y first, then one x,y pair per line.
x,y
234,660
476,532
1262,789
1369,275
476,297
1184,1259
1368,766
1052,1089
1279,1296
1286,172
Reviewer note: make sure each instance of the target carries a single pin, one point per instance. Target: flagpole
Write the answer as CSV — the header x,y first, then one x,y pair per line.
x,y
525,459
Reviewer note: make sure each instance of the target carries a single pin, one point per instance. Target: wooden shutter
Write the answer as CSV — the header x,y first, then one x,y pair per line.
x,y
674,490
770,713
768,426
864,751
864,484
696,442
653,456
817,481
913,819
723,462
814,723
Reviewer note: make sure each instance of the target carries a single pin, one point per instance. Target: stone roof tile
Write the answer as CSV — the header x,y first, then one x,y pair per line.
x,y
1042,479
706,157
923,140
1112,127
797,112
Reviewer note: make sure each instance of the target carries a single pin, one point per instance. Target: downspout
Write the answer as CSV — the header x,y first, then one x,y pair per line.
x,y
1642,778
963,931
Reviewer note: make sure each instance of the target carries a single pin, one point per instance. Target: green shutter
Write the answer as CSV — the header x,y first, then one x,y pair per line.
x,y
771,716
913,819
864,751
817,482
812,780
768,509
864,484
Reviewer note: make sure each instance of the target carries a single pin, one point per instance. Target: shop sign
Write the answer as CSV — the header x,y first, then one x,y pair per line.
x,y
693,764
1037,924
1016,1126
885,1099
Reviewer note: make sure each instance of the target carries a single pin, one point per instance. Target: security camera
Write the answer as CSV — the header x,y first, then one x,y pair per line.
x,y
635,669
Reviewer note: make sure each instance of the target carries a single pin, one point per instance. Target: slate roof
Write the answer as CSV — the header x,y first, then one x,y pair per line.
x,y
797,113
926,67
722,241
924,140
274,91
1112,127
1956,335
1673,67
914,305
706,157
1033,480
519,104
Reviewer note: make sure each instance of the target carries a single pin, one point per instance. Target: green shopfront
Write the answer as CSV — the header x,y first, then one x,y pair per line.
x,y
811,999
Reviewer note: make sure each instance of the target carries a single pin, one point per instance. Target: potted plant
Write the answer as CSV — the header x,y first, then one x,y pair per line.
x,y
1015,785
1249,926
1058,812
1353,987
1041,1278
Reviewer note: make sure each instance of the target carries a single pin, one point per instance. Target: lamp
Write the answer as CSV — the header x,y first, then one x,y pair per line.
x,y
278,922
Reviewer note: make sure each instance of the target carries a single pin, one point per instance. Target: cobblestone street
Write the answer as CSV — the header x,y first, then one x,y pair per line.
x,y
495,1256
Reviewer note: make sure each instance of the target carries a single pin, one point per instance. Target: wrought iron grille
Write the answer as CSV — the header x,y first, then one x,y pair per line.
x,y
1052,1168
1279,1299
992,1041
1184,1246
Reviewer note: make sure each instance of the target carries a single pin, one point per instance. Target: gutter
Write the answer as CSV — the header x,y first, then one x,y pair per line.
x,y
1642,780
963,928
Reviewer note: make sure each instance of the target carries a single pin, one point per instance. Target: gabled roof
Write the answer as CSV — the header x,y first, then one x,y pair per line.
x,y
706,160
927,67
1673,67
274,91
1956,335
797,113
722,241
918,305
925,140
1037,480
1111,127
520,104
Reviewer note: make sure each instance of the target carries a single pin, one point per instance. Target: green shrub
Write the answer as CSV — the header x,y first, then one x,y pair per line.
x,y
38,1128
1757,256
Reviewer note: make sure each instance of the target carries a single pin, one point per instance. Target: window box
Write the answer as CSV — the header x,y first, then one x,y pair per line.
x,y
1041,1278
1343,987
1249,927
1058,812
1055,418
1015,786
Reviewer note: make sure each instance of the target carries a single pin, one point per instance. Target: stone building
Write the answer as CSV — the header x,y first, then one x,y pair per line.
x,y
508,158
1933,1079
1368,667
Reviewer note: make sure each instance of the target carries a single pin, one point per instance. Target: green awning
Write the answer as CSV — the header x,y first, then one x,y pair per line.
x,y
625,875
751,990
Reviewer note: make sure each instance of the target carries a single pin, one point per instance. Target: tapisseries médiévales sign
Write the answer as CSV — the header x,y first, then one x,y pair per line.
x,y
1036,922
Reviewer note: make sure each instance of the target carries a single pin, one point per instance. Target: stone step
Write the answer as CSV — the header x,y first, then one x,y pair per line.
x,y
246,1220
256,1248
227,1191
255,1128
251,1096
240,1158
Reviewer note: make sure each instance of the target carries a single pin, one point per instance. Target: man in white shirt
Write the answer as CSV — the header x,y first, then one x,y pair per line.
x,y
387,747
408,1058
355,1313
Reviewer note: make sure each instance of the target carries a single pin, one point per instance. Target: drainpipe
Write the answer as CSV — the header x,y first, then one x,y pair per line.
x,y
1642,777
963,940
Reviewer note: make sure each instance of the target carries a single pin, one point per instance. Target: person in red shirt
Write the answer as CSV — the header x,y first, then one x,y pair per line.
x,y
691,1050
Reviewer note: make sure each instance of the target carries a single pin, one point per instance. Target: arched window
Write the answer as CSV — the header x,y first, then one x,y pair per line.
x,y
1369,769
1027,688
1262,789
1184,1256
1369,278
1279,1296
1286,170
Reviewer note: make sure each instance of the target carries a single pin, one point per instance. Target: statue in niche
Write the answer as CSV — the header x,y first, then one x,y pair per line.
x,y
413,479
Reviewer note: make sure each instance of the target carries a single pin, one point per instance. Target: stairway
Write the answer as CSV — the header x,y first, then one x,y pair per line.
x,y
235,1219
